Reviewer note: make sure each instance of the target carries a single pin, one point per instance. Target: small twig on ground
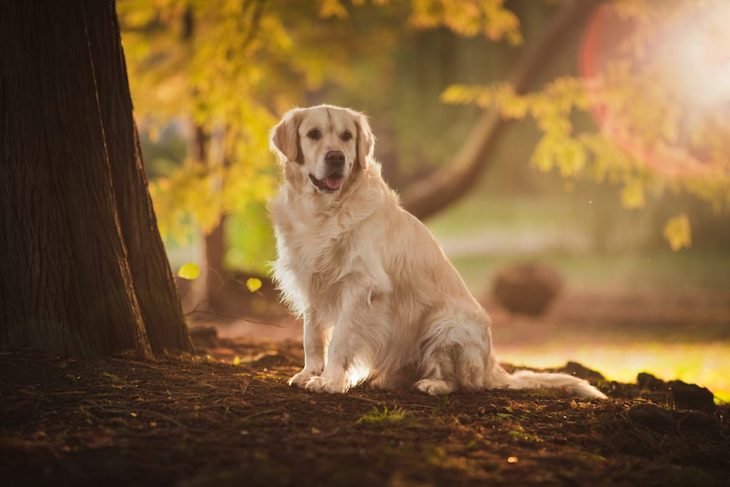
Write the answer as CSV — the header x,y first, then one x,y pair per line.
x,y
260,413
167,418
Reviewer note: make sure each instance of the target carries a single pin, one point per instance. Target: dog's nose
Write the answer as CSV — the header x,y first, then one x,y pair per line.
x,y
335,158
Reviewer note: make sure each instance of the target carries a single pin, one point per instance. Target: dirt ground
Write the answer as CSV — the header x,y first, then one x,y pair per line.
x,y
201,420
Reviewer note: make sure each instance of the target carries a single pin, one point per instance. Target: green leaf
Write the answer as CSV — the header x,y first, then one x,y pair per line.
x,y
189,271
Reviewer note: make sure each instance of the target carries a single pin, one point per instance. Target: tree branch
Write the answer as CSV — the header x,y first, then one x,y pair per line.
x,y
428,196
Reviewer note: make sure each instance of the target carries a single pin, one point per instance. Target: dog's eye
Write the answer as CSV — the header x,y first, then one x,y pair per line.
x,y
346,135
314,134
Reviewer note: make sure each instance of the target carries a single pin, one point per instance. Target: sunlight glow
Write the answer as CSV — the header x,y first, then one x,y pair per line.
x,y
705,364
696,57
661,84
356,374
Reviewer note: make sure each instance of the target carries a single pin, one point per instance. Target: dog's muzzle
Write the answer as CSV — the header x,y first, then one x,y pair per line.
x,y
334,160
330,184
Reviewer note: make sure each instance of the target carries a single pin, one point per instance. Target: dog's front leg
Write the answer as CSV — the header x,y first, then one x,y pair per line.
x,y
334,376
314,338
344,344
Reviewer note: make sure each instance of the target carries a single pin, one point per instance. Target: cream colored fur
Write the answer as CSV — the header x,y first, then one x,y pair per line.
x,y
379,298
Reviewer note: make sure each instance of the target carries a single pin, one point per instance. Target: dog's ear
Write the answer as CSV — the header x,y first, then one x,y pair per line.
x,y
284,140
365,140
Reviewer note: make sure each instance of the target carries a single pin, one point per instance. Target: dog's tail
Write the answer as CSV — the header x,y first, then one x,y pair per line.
x,y
527,379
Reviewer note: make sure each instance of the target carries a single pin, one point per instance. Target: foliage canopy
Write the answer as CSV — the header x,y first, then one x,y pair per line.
x,y
229,67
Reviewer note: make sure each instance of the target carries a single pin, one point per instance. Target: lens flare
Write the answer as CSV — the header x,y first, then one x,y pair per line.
x,y
660,82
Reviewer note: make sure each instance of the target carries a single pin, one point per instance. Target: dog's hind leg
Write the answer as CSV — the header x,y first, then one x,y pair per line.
x,y
453,355
438,372
436,365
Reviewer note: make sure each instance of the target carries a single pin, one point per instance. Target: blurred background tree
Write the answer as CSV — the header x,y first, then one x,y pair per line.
x,y
210,78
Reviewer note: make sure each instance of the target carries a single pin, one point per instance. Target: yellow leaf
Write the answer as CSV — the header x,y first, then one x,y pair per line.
x,y
189,271
678,232
512,459
632,195
236,360
253,284
332,8
572,157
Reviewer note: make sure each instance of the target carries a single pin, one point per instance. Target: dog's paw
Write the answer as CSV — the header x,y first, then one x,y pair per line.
x,y
301,378
434,387
321,384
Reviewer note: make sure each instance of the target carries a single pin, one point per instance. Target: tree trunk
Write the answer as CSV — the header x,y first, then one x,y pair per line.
x,y
214,255
153,280
77,232
204,292
447,184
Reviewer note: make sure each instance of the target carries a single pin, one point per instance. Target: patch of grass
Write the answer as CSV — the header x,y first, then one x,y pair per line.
x,y
443,404
442,458
383,416
521,435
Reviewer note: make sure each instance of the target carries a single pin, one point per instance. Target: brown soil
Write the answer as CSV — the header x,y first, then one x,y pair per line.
x,y
203,421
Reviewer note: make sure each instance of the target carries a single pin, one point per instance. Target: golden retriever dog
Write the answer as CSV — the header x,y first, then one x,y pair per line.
x,y
378,297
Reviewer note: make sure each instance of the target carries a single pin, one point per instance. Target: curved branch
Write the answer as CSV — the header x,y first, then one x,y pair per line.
x,y
428,196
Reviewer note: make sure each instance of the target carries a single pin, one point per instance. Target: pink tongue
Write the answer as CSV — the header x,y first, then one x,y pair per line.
x,y
333,183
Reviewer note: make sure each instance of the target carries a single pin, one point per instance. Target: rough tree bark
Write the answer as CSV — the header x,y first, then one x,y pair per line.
x,y
84,271
153,280
428,196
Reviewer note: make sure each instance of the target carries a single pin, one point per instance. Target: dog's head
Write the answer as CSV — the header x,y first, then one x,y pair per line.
x,y
323,146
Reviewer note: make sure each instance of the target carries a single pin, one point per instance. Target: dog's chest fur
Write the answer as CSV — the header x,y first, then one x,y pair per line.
x,y
313,249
